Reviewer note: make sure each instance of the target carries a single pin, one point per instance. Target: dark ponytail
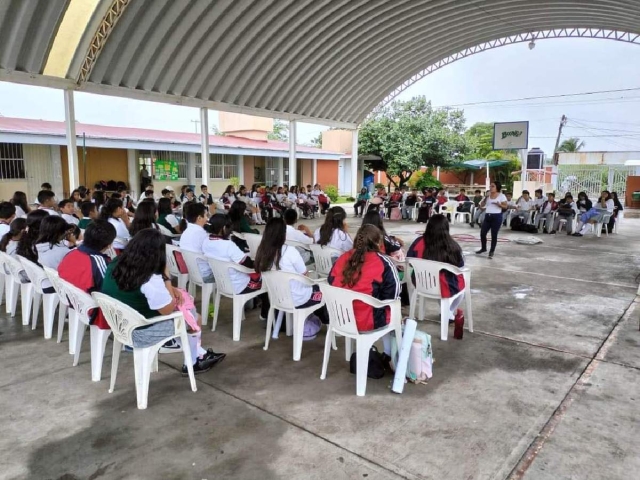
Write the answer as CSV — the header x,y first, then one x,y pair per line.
x,y
367,239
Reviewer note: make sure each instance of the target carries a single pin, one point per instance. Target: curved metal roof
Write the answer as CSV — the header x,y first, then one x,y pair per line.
x,y
319,60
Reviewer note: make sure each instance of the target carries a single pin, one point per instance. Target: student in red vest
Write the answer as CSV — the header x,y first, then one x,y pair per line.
x,y
436,244
365,269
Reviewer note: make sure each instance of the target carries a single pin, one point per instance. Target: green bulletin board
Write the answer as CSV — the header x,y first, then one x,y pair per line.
x,y
166,169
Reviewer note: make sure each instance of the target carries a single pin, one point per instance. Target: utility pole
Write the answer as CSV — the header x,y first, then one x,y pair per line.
x,y
197,122
563,122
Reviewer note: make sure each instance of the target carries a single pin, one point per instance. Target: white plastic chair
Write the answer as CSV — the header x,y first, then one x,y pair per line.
x,y
174,270
224,287
616,225
196,280
465,217
450,207
603,223
25,289
6,282
342,321
427,277
54,278
324,257
253,241
277,283
123,320
81,304
50,300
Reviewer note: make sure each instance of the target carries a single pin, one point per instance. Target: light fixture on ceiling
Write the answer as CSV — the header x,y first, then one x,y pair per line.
x,y
532,44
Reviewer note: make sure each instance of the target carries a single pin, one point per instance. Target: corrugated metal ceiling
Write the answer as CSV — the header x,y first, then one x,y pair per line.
x,y
327,59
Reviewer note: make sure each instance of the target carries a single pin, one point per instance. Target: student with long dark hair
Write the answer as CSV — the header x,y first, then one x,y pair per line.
x,y
19,200
114,212
166,218
54,242
436,244
392,245
9,241
273,254
238,219
145,217
27,244
493,204
220,248
138,277
365,269
333,231
603,207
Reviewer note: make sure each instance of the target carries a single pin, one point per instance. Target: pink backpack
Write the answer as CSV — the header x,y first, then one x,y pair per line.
x,y
396,214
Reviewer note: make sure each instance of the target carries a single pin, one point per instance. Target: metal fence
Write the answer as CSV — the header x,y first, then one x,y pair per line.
x,y
593,179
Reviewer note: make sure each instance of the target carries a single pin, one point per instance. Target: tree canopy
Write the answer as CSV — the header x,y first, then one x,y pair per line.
x,y
280,131
409,134
571,145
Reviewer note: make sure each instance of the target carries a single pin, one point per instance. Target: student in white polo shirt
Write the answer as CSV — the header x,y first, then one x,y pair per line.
x,y
220,248
47,201
7,214
302,234
67,211
194,237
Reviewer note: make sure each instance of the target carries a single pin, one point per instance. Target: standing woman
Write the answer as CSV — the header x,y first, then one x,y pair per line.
x,y
114,212
494,204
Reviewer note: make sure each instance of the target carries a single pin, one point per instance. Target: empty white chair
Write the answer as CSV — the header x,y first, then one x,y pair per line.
x,y
277,283
54,278
224,287
174,269
195,280
123,320
81,304
324,257
450,207
465,217
25,289
253,241
50,300
342,321
427,277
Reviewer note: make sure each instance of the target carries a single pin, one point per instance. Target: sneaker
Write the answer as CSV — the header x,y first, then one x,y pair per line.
x,y
577,234
386,362
490,256
214,357
552,232
544,231
172,346
481,251
205,363
472,225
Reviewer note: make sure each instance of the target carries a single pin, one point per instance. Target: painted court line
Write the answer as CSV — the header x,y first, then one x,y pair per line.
x,y
623,285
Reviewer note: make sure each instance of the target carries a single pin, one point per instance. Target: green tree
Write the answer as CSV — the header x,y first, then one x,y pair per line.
x,y
571,145
280,131
409,134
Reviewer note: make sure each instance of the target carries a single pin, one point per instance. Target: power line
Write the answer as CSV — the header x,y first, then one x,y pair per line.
x,y
595,92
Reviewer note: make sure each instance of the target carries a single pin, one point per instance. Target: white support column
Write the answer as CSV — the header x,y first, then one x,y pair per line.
x,y
438,173
315,171
191,168
354,164
293,164
132,167
72,149
204,134
56,164
281,180
241,169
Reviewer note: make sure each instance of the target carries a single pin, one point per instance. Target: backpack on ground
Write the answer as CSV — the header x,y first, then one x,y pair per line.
x,y
529,228
376,365
420,365
516,224
395,214
312,326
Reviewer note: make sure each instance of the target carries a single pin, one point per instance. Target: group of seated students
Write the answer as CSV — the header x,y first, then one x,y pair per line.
x,y
263,202
547,213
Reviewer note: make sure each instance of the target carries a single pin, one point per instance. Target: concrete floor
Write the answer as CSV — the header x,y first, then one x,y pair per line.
x,y
546,388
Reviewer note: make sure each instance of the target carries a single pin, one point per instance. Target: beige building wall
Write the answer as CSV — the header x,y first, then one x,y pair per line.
x,y
337,141
245,126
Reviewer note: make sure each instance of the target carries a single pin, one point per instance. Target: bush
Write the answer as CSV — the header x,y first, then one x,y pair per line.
x,y
420,180
350,199
378,186
332,192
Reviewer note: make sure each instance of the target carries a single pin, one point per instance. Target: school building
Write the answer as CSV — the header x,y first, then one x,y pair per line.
x,y
34,151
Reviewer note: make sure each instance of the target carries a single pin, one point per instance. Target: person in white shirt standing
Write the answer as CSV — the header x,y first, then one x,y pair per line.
x,y
195,236
68,211
7,214
494,204
47,201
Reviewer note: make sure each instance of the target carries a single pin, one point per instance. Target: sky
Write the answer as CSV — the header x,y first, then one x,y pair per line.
x,y
553,67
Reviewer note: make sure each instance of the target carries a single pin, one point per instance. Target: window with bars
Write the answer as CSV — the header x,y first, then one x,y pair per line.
x,y
221,167
11,161
147,157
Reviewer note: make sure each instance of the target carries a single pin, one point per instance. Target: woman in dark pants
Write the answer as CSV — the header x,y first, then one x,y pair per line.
x,y
495,202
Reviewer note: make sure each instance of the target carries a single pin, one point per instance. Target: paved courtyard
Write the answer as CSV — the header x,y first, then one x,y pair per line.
x,y
546,388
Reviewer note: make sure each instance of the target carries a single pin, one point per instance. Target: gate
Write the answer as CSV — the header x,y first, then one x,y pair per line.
x,y
592,179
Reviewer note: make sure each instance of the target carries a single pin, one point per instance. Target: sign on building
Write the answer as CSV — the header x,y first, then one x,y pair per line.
x,y
166,169
511,136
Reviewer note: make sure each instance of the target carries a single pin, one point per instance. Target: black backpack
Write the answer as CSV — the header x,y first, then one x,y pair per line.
x,y
376,365
516,224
